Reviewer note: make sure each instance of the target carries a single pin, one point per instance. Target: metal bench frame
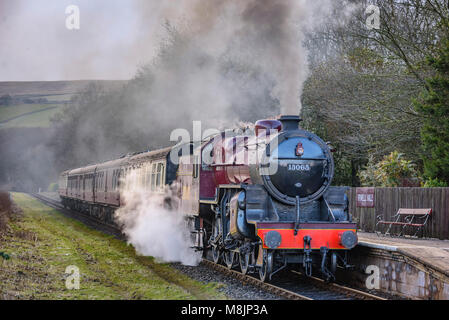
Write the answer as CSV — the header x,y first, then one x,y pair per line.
x,y
409,217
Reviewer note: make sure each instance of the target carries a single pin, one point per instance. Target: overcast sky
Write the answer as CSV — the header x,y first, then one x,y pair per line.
x,y
115,37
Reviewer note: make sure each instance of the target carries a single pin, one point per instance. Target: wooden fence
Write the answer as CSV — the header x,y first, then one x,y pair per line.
x,y
387,201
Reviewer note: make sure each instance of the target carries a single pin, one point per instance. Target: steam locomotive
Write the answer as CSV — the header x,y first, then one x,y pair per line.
x,y
260,201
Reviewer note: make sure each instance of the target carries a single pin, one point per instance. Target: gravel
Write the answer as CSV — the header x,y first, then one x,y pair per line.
x,y
232,288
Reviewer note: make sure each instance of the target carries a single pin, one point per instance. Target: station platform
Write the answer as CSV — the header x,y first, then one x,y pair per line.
x,y
431,252
413,268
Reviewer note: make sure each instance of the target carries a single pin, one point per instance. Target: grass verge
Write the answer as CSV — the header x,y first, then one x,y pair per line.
x,y
42,243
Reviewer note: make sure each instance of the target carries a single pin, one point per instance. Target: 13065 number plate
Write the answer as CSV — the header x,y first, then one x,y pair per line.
x,y
298,167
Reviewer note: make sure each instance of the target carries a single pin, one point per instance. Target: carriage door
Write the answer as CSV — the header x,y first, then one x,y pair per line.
x,y
188,179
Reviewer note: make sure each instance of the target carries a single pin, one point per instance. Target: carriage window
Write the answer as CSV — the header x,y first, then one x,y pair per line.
x,y
162,174
119,175
153,176
196,167
158,177
141,178
148,178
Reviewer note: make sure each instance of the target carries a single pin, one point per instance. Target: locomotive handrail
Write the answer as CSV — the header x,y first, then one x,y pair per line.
x,y
330,209
298,214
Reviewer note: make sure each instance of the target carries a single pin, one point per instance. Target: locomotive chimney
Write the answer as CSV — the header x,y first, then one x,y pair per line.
x,y
265,126
289,122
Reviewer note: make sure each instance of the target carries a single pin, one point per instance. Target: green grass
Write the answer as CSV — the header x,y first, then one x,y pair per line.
x,y
43,242
35,120
59,97
8,112
21,115
59,91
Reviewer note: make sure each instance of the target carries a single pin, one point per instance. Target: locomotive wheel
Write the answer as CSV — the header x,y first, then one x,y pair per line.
x,y
244,262
216,253
228,258
267,266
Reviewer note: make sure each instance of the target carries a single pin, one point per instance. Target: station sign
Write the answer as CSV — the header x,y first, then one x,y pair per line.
x,y
365,197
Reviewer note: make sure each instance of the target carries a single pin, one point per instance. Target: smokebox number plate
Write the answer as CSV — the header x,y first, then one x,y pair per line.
x,y
298,167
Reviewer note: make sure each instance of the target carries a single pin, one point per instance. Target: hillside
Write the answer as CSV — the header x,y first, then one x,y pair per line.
x,y
46,88
33,104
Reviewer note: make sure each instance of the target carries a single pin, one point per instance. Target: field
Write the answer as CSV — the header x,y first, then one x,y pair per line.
x,y
28,115
35,103
42,243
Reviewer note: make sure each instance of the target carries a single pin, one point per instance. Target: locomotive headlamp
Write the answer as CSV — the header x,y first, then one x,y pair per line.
x,y
299,149
348,239
273,239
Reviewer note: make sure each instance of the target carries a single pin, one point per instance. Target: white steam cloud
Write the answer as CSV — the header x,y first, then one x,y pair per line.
x,y
153,225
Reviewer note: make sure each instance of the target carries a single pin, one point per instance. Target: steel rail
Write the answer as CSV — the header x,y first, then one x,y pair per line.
x,y
80,216
342,289
256,282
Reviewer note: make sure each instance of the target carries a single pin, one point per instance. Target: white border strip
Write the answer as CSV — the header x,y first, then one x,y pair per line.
x,y
377,246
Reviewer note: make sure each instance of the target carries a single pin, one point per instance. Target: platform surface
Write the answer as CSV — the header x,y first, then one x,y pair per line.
x,y
431,252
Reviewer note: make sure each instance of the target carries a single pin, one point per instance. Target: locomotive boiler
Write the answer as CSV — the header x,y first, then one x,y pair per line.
x,y
259,200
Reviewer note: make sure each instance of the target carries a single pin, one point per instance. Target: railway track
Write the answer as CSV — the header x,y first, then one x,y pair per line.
x,y
350,292
290,285
285,293
84,218
293,285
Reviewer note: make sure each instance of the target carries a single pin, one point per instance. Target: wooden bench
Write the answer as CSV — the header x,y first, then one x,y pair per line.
x,y
416,218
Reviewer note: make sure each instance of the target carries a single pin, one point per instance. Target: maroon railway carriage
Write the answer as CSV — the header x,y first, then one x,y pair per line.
x,y
261,200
